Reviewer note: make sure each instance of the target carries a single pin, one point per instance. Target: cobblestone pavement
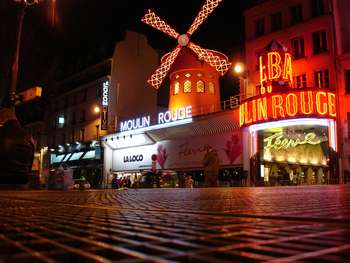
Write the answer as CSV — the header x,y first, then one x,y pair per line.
x,y
279,224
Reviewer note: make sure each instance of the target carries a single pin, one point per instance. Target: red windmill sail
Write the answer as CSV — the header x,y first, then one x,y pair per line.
x,y
218,63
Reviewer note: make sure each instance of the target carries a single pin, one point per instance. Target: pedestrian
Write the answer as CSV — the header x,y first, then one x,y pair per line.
x,y
114,182
211,167
189,181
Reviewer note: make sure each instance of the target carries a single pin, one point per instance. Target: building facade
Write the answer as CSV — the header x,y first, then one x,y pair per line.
x,y
312,30
85,107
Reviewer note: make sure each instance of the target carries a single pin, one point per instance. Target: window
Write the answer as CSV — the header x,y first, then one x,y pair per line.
x,y
300,81
298,47
211,87
347,81
84,95
322,79
82,134
74,102
276,21
63,138
54,140
65,102
317,7
176,88
296,14
82,117
259,27
187,86
61,121
73,120
319,42
200,86
72,136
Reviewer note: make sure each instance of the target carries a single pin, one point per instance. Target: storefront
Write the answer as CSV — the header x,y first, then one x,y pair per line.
x,y
179,147
84,158
290,133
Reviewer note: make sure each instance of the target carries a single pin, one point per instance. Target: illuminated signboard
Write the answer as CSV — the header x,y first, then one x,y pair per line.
x,y
104,102
105,93
304,144
277,100
162,118
275,64
295,103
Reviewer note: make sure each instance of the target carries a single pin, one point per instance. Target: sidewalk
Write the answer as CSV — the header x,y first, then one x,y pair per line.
x,y
277,224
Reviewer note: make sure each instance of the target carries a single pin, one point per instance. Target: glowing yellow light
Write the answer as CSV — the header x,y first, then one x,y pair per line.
x,y
96,109
239,68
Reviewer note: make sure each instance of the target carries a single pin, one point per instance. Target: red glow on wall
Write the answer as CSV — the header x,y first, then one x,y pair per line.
x,y
295,103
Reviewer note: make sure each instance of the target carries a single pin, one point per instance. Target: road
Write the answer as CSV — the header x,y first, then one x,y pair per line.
x,y
276,224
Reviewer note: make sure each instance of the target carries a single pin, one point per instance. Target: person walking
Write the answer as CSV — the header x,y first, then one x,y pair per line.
x,y
211,167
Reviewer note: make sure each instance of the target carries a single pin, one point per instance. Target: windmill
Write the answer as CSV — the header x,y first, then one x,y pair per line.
x,y
188,55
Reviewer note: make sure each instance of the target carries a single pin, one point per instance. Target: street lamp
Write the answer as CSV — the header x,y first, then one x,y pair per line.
x,y
23,4
97,109
239,68
239,71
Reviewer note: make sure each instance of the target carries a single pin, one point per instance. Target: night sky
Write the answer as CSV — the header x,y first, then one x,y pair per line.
x,y
85,31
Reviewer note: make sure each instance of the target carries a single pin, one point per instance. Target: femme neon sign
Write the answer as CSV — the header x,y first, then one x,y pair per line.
x,y
301,103
277,141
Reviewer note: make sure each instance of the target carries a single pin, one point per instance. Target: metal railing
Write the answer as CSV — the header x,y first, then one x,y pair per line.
x,y
224,105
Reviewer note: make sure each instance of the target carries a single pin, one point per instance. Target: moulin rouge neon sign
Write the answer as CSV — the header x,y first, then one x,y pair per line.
x,y
284,102
288,105
163,118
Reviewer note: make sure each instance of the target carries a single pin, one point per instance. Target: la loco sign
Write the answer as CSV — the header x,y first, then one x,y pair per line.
x,y
295,103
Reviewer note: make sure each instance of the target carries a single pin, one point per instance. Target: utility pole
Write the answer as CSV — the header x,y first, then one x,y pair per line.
x,y
23,4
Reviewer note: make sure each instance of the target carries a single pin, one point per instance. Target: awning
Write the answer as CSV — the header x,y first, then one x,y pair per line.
x,y
220,122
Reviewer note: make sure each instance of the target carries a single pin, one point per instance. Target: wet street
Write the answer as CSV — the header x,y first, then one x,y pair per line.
x,y
280,224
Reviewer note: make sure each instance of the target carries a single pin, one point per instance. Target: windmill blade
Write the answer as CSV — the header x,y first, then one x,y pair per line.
x,y
206,10
150,18
221,65
159,75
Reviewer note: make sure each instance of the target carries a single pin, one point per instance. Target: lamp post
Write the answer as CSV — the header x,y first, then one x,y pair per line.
x,y
23,4
239,71
97,111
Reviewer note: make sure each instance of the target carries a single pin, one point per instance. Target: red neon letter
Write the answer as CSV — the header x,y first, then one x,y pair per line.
x,y
248,119
277,101
262,72
321,110
262,109
287,71
274,68
309,103
254,110
291,104
331,104
241,115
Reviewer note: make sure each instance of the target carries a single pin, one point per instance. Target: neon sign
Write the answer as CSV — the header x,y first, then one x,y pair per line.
x,y
320,103
105,93
163,118
275,67
104,102
277,141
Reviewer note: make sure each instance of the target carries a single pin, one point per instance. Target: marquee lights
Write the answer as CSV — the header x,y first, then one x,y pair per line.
x,y
288,105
